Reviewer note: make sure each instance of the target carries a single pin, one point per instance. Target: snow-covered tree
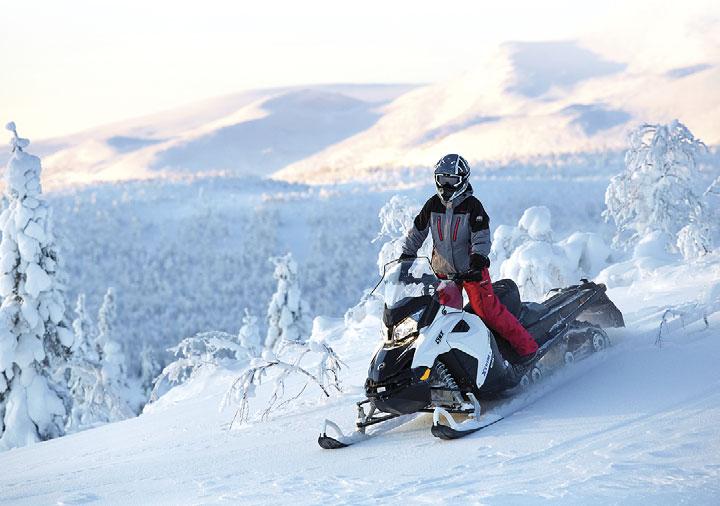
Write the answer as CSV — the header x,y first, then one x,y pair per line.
x,y
657,190
84,343
94,401
149,370
288,319
249,335
693,241
287,344
529,255
326,377
203,351
35,340
112,355
396,218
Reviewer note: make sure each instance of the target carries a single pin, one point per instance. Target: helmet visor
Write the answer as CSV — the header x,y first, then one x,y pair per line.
x,y
450,180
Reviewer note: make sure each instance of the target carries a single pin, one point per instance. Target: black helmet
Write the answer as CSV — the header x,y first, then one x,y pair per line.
x,y
451,176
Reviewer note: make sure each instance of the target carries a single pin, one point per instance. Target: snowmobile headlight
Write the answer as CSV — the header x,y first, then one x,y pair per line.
x,y
405,329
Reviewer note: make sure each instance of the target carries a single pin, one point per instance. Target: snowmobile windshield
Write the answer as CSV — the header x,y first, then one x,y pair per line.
x,y
448,294
406,280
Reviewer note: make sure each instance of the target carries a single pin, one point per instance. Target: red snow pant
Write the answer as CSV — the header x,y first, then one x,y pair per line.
x,y
496,316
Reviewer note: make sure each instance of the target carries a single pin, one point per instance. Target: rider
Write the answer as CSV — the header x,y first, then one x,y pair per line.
x,y
461,242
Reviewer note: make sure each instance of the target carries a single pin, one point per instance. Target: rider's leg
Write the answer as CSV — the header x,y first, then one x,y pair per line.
x,y
497,317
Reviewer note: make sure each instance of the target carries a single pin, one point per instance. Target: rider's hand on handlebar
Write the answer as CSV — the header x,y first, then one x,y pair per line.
x,y
479,262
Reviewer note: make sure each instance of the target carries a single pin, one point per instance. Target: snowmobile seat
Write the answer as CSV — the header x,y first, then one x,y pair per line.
x,y
509,294
530,313
507,291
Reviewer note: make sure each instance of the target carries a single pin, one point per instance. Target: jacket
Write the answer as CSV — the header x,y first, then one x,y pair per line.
x,y
459,228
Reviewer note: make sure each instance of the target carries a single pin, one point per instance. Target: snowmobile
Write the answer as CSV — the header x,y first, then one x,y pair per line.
x,y
437,356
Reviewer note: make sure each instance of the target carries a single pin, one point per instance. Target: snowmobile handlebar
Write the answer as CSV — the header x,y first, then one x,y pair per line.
x,y
471,275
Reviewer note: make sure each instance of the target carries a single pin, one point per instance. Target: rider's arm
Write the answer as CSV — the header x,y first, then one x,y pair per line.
x,y
417,234
479,229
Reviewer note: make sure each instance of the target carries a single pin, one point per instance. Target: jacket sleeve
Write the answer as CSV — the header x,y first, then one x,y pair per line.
x,y
417,234
479,230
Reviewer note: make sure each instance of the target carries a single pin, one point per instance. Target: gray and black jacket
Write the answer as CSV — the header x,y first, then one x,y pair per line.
x,y
459,228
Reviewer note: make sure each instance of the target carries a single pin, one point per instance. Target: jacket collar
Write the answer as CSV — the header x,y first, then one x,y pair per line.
x,y
460,198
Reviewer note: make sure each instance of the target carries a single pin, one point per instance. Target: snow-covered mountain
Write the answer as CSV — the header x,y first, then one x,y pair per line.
x,y
529,101
253,133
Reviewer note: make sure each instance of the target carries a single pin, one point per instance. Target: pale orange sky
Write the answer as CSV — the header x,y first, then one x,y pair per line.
x,y
75,64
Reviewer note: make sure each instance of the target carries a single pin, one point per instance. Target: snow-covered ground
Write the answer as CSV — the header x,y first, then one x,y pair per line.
x,y
637,424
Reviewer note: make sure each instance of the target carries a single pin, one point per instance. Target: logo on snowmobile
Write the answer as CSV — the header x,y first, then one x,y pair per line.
x,y
381,366
439,337
488,362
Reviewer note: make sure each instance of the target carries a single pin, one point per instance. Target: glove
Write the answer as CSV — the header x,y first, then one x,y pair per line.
x,y
406,256
479,262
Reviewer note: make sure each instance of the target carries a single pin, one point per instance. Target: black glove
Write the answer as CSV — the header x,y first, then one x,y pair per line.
x,y
406,256
479,262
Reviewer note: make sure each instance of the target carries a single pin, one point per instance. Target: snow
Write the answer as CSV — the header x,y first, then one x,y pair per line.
x,y
37,280
535,221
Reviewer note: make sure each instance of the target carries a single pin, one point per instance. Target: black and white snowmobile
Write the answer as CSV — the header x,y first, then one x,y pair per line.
x,y
439,357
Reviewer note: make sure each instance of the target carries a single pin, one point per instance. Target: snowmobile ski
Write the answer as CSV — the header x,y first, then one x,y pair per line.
x,y
455,429
340,440
447,433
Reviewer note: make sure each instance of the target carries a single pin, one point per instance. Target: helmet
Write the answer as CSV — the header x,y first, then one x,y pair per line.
x,y
451,176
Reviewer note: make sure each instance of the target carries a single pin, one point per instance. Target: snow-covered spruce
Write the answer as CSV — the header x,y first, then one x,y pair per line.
x,y
288,319
249,335
35,340
150,368
657,193
94,402
112,355
85,343
97,397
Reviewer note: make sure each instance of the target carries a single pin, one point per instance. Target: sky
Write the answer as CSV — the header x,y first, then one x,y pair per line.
x,y
76,64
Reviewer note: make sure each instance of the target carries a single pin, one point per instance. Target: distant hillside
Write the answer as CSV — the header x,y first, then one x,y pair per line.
x,y
530,100
257,133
